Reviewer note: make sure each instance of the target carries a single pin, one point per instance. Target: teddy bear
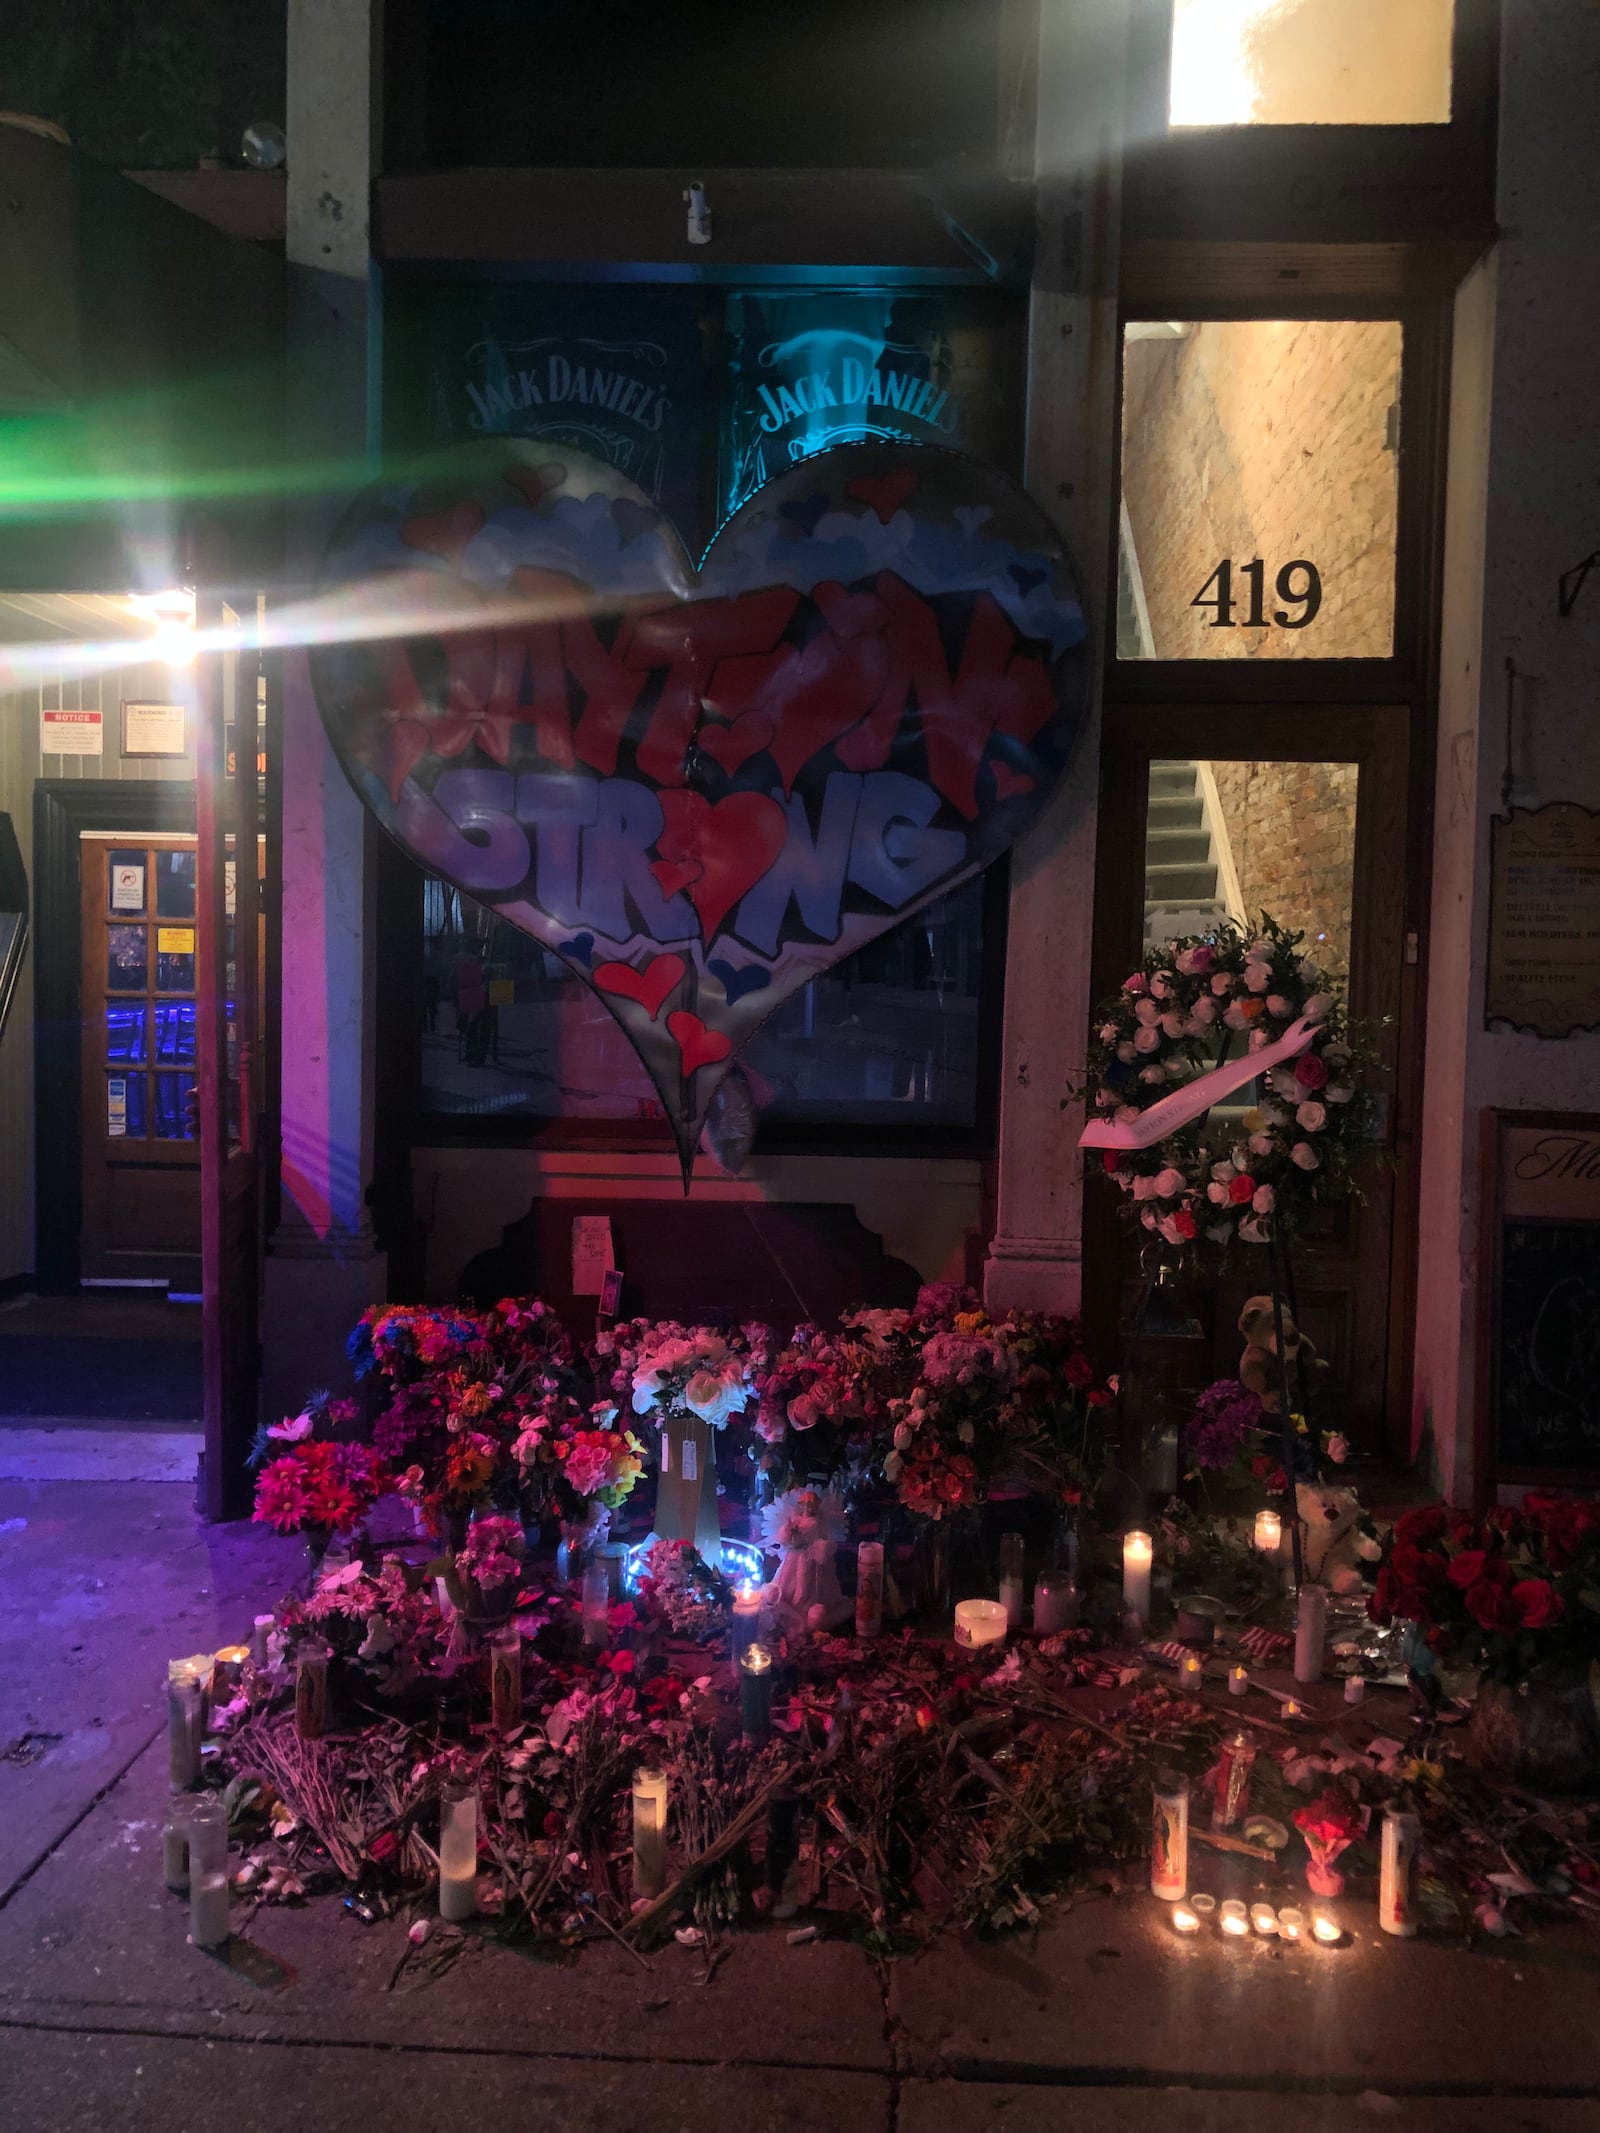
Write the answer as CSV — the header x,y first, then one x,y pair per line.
x,y
1258,1366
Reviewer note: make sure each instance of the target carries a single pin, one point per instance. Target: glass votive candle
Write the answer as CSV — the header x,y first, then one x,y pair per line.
x,y
1355,1689
1291,1923
1326,1929
1203,1902
1265,1920
1238,1680
1233,1918
1185,1920
980,1622
746,1617
1269,1532
1012,1578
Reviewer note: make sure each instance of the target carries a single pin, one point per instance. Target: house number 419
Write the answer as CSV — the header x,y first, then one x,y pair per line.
x,y
1299,583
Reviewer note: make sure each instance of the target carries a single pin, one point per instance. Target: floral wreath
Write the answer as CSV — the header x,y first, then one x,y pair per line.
x,y
1181,1015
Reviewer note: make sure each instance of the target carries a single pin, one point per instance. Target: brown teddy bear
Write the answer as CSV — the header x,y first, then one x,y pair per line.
x,y
1258,1366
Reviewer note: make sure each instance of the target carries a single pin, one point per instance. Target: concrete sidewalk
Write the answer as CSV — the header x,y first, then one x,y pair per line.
x,y
108,2019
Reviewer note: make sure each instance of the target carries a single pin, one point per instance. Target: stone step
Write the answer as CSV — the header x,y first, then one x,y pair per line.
x,y
1172,781
1178,847
1180,884
1174,811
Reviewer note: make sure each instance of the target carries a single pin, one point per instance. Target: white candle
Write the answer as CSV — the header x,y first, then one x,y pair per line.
x,y
1401,1834
505,1678
649,1832
1191,1670
1265,1920
596,1603
980,1622
1355,1689
1184,1920
1055,1603
1238,1680
1234,1918
458,1855
1311,1633
1137,1556
1291,1923
1269,1532
208,1910
260,1630
1011,1578
869,1589
746,1617
175,1850
183,1728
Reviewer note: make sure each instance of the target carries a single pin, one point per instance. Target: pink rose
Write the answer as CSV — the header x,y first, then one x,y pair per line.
x,y
1304,1156
1310,1071
1263,1200
1311,1116
1137,983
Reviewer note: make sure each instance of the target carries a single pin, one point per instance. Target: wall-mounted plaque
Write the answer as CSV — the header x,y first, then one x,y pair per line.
x,y
154,730
1544,919
1539,1366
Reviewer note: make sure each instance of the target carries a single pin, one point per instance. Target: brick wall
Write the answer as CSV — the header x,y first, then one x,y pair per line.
x,y
1291,828
1266,438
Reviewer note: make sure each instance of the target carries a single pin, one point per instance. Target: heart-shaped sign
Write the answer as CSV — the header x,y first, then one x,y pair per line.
x,y
701,789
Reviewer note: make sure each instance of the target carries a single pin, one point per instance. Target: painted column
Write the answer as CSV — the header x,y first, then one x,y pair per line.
x,y
1035,1257
323,1265
1520,509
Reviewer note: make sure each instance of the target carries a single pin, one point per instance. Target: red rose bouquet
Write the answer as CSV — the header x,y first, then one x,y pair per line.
x,y
1506,1592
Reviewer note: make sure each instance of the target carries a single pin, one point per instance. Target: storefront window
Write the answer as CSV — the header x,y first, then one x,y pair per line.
x,y
1311,62
1259,489
889,1037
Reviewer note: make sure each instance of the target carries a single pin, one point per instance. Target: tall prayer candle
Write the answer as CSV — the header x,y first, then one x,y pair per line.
x,y
1012,1562
311,1691
649,1832
261,1629
1269,1532
746,1618
175,1847
183,1727
1055,1603
1169,1849
458,1854
1311,1633
869,1589
755,1693
1401,1833
596,1602
1137,1557
208,1873
505,1678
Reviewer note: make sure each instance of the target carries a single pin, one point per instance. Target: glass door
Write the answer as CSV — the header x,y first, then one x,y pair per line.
x,y
1215,814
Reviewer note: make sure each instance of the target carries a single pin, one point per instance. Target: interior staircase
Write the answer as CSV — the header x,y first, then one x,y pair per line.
x,y
1184,889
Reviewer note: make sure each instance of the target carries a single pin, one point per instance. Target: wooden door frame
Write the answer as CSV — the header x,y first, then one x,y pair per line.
x,y
63,808
1378,739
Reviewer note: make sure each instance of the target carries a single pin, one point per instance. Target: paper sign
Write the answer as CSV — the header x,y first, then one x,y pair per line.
x,y
153,729
70,732
117,1107
592,1256
174,940
691,1460
127,888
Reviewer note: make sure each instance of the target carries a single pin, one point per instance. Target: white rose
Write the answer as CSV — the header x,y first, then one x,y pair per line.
x,y
1304,1155
903,1434
1241,1155
1126,1114
1279,1006
1220,1232
1204,1012
1259,1040
1318,1005
1146,1010
1147,1039
1108,1033
1311,1116
1251,1231
1337,1092
1308,971
1169,1182
1148,1218
1264,1200
1161,986
1261,1144
1336,1054
1126,1052
1154,1075
1222,1172
1369,1547
1257,977
1144,1188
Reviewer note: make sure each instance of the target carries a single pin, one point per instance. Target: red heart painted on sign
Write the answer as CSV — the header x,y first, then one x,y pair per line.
x,y
885,493
443,533
697,1045
1008,783
730,844
651,986
733,746
533,483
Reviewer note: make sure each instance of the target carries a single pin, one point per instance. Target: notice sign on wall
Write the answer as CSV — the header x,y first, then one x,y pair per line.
x,y
70,732
153,729
1544,920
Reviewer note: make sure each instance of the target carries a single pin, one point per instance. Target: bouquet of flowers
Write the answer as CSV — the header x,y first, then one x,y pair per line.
x,y
310,1480
1330,1824
677,1581
382,1618
1191,1004
690,1370
488,1567
1503,1593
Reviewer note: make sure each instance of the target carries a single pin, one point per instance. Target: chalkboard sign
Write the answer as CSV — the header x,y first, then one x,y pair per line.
x,y
1542,1218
